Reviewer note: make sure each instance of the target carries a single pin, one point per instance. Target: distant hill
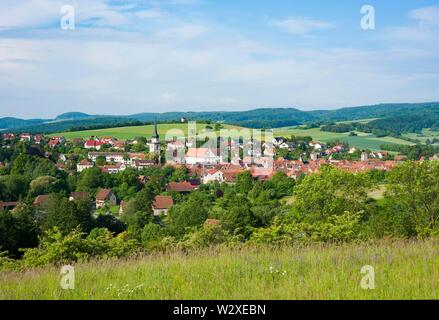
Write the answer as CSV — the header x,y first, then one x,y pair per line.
x,y
426,115
74,116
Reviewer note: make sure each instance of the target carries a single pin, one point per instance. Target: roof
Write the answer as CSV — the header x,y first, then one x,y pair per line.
x,y
201,152
79,195
162,202
103,194
7,204
85,162
183,186
41,200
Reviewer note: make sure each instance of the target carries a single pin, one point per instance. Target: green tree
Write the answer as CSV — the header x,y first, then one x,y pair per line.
x,y
330,192
413,191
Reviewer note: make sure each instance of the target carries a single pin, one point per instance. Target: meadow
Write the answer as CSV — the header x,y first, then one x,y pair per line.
x,y
363,140
403,270
126,133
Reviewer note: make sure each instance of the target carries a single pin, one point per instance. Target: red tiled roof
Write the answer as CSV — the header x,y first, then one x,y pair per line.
x,y
41,200
103,194
183,186
163,202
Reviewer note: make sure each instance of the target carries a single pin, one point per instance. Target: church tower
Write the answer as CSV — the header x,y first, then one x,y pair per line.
x,y
155,141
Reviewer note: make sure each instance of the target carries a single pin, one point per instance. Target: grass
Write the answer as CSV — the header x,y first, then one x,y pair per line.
x,y
362,141
422,137
403,270
125,133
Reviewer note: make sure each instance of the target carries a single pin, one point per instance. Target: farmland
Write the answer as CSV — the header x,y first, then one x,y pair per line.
x,y
134,131
403,270
363,140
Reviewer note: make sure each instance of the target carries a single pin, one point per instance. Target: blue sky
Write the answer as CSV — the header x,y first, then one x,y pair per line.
x,y
129,56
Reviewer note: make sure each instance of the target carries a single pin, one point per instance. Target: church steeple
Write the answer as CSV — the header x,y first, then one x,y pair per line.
x,y
155,134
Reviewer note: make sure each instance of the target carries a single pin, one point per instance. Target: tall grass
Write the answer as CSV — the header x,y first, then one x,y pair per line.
x,y
403,270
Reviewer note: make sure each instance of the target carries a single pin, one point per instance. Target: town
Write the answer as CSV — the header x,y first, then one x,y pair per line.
x,y
203,165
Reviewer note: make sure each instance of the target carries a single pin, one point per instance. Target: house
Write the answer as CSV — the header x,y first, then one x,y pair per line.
x,y
379,155
105,196
161,205
39,138
182,187
213,175
113,168
206,156
316,145
8,136
7,205
117,157
175,145
108,140
79,195
55,141
142,164
84,164
287,145
25,137
277,141
42,200
119,145
93,144
122,207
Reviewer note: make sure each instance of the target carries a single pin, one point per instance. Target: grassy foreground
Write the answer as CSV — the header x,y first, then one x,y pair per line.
x,y
403,270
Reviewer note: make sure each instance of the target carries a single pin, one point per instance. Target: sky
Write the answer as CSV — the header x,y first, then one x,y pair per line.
x,y
126,56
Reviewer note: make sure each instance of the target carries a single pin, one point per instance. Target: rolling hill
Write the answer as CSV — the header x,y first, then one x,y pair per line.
x,y
389,117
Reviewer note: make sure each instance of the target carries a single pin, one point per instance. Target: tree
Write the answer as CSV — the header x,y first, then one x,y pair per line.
x,y
18,229
281,184
244,182
12,187
90,180
45,185
191,213
152,233
413,191
330,192
67,215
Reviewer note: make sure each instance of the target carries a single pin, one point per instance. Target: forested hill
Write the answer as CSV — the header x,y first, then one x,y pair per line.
x,y
403,115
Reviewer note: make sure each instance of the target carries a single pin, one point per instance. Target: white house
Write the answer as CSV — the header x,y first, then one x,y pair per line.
x,y
202,156
213,175
117,157
316,145
84,164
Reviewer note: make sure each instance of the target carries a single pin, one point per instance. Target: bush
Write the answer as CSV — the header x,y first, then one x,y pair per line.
x,y
55,248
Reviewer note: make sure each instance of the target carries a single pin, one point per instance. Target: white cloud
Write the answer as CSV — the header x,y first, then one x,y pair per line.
x,y
424,30
151,13
301,25
427,17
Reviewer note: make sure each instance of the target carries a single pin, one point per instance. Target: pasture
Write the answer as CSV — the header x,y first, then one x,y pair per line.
x,y
126,133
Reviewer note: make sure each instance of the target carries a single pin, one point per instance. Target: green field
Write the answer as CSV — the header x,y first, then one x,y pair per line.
x,y
422,137
363,140
132,132
403,270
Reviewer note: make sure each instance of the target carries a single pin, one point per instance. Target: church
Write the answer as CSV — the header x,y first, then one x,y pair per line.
x,y
154,144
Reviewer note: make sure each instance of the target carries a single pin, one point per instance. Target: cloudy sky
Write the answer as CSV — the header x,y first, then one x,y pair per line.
x,y
129,56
